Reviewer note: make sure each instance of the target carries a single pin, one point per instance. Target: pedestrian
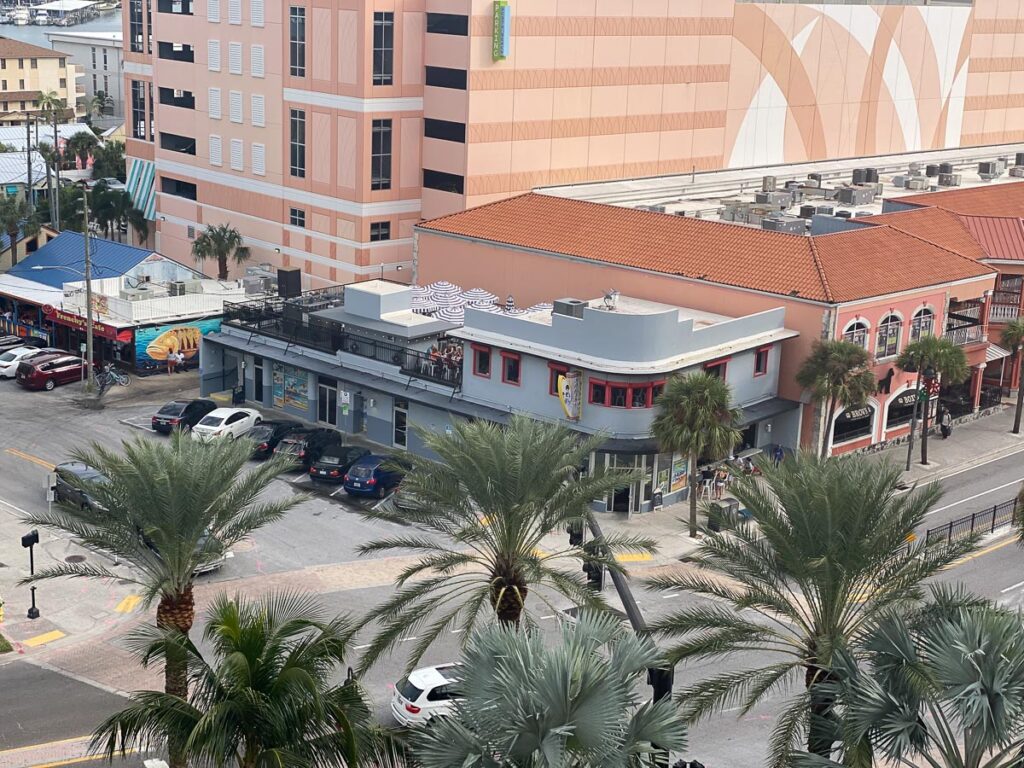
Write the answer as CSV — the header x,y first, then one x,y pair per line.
x,y
721,476
778,455
945,423
172,361
181,362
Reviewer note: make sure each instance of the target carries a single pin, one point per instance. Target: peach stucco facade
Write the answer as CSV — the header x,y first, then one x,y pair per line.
x,y
589,90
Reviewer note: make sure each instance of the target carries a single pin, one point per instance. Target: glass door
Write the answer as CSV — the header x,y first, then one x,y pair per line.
x,y
327,402
257,379
401,422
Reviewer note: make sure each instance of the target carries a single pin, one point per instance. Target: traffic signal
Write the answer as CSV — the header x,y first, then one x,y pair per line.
x,y
660,679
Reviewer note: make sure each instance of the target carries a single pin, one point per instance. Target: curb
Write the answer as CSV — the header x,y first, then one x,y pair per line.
x,y
977,461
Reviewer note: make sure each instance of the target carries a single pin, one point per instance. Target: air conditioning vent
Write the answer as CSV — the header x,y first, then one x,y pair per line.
x,y
191,232
569,307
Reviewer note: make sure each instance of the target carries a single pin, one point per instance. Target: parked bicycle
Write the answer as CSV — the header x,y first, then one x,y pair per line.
x,y
110,376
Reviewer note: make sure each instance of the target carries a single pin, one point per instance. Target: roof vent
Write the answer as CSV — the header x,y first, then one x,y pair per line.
x,y
569,307
611,299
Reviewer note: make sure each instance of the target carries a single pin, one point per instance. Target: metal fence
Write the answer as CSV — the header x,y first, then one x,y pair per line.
x,y
986,521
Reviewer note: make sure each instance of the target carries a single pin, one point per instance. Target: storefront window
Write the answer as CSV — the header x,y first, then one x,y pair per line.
x,y
901,409
853,423
889,336
922,324
856,333
619,395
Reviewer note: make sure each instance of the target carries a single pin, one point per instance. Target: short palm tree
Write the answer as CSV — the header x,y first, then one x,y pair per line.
x,y
168,509
223,243
113,209
826,554
263,695
17,221
1013,337
81,145
942,359
49,155
528,704
837,372
695,417
487,506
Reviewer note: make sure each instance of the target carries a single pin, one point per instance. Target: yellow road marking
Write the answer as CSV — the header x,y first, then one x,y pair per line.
x,y
991,548
127,605
48,637
633,557
16,750
73,760
29,457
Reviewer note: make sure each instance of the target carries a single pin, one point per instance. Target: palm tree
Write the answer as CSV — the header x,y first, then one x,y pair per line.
x,y
695,417
18,222
168,510
939,358
49,155
81,145
262,696
839,373
1013,337
53,108
531,705
98,105
946,694
108,161
826,554
221,242
114,210
488,502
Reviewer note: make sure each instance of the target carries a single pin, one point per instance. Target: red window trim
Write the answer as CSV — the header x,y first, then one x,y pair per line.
x,y
767,348
590,391
511,356
722,361
481,349
553,370
629,387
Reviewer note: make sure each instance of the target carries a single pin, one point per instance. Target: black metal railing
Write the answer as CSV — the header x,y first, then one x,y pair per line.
x,y
986,521
290,320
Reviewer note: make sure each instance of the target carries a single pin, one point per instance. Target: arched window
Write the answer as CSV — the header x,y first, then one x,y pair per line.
x,y
889,331
922,324
857,333
853,423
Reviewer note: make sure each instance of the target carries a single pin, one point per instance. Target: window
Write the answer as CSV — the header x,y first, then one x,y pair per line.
x,y
481,361
93,58
857,333
510,368
259,159
63,62
922,324
256,14
234,11
180,52
888,339
298,143
212,55
297,41
853,423
21,63
444,182
3,63
297,217
383,47
152,111
175,143
176,98
237,155
761,361
717,368
554,371
138,89
64,82
380,230
213,10
380,155
104,58
446,77
35,63
445,130
612,394
21,85
257,110
618,395
216,153
256,66
901,409
448,24
235,106
598,392
106,83
235,58
177,187
149,29
640,397
214,103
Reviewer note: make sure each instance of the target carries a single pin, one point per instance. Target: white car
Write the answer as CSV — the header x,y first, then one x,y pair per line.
x,y
226,423
9,360
425,693
114,185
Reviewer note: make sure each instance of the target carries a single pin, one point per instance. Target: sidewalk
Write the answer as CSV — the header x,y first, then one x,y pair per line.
x,y
159,386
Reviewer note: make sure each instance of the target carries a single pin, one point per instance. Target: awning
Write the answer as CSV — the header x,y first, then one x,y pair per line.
x,y
995,352
30,291
766,409
141,185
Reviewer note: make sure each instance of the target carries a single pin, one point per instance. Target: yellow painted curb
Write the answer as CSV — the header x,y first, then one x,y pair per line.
x,y
127,605
43,639
633,557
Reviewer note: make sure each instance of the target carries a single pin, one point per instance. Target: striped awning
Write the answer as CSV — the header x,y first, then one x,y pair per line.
x,y
995,352
141,185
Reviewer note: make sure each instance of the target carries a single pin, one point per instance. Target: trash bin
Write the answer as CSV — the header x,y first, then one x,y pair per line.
x,y
238,396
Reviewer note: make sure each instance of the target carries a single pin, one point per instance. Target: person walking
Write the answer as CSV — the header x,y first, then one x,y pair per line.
x,y
945,423
778,455
172,361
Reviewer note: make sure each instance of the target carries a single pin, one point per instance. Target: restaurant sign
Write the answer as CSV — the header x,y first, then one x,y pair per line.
x,y
78,323
854,414
905,400
502,30
570,393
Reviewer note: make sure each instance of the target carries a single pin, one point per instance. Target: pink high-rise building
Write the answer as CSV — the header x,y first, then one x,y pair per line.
x,y
324,129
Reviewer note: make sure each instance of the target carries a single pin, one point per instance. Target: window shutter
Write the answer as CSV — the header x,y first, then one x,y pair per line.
x,y
216,157
256,13
256,60
213,55
234,11
237,155
257,108
213,10
259,159
214,103
235,102
235,58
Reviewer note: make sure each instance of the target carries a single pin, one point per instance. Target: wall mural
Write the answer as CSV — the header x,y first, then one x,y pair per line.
x,y
155,344
291,387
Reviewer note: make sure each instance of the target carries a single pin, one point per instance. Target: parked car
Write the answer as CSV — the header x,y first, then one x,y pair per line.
x,y
225,423
307,444
424,694
268,434
334,462
374,475
181,414
49,371
9,360
12,342
68,492
109,182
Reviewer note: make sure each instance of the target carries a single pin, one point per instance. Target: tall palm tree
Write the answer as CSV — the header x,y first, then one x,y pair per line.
x,y
108,161
53,108
113,210
695,417
531,705
49,155
221,242
18,222
487,505
837,372
81,145
168,509
98,105
945,694
944,359
1013,337
826,554
263,695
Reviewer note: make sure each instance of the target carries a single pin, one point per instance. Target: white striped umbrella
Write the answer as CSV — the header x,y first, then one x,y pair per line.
x,y
485,306
451,314
515,311
451,300
420,291
442,288
479,295
424,305
542,307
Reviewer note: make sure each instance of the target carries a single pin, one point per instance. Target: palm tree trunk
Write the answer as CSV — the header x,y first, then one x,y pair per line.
x,y
924,429
693,495
222,267
820,684
508,595
1020,392
828,427
13,237
176,612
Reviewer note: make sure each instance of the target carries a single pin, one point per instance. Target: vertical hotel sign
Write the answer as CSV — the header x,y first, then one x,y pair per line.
x,y
502,30
570,393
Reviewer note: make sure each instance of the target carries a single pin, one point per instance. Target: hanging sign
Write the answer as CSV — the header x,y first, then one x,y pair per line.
x,y
570,393
502,30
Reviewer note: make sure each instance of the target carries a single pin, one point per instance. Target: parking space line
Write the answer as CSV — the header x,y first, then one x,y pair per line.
x,y
43,639
57,743
1011,588
29,457
128,604
335,493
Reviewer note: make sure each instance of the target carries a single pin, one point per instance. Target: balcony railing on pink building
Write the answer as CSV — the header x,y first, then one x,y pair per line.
x,y
964,322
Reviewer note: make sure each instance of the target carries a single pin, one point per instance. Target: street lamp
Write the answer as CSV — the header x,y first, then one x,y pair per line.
x,y
28,541
397,269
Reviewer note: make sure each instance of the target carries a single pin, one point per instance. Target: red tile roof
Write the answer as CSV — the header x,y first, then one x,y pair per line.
x,y
936,225
990,200
830,268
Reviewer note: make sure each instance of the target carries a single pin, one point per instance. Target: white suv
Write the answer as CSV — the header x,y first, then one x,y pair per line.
x,y
425,693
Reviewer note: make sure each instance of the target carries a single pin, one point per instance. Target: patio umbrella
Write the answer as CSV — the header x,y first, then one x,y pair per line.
x,y
447,300
542,307
442,288
479,295
420,290
515,311
451,314
485,306
424,305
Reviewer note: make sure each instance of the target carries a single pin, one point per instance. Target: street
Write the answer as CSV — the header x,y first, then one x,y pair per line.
x,y
313,549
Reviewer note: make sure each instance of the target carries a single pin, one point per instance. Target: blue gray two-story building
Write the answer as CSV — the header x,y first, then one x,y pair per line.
x,y
360,359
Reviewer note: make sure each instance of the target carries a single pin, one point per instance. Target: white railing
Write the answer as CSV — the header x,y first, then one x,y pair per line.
x,y
1004,312
151,310
962,336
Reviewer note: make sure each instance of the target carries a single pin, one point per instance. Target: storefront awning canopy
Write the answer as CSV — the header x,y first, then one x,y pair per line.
x,y
765,410
995,352
30,291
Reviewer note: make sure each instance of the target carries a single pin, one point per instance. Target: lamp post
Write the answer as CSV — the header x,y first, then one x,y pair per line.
x,y
922,402
28,541
397,269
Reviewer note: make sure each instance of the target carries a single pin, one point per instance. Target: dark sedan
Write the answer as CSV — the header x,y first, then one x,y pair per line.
x,y
306,445
71,476
334,462
267,434
181,414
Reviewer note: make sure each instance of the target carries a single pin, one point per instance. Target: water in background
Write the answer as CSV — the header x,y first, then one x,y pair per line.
x,y
106,22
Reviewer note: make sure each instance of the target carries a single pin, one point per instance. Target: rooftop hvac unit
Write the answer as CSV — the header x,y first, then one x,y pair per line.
x,y
768,184
806,211
176,288
844,214
788,224
825,210
569,307
949,179
255,285
860,175
918,183
988,170
931,170
945,168
136,294
900,181
855,195
1018,159
872,175
915,168
1017,171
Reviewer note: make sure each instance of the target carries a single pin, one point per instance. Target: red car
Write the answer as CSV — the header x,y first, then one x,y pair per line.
x,y
47,371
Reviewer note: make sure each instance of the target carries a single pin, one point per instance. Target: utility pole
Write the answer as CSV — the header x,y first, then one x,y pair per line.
x,y
913,422
90,382
28,170
56,172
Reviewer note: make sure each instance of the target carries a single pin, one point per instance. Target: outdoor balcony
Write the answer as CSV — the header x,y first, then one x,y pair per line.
x,y
964,322
1006,299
